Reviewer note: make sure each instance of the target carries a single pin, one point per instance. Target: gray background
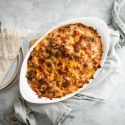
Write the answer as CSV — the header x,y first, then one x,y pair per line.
x,y
40,15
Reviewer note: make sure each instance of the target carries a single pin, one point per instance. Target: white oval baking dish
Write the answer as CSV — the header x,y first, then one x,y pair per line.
x,y
29,95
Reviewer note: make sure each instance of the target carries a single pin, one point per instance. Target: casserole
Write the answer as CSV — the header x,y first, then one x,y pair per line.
x,y
29,95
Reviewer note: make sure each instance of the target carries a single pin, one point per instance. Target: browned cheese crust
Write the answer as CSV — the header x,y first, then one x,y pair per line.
x,y
64,60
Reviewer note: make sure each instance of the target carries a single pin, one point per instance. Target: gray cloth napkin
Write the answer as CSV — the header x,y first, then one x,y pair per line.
x,y
71,111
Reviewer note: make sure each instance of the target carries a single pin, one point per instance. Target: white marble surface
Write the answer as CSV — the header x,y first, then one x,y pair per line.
x,y
40,15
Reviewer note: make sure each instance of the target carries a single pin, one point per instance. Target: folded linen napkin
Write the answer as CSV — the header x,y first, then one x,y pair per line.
x,y
9,47
71,111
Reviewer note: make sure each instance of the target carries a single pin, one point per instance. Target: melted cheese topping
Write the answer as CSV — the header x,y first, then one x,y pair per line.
x,y
64,60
